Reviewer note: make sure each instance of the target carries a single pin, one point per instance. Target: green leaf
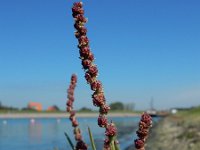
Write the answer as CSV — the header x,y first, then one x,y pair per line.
x,y
91,139
70,141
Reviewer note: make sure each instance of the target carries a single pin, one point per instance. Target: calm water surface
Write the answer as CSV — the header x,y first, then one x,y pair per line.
x,y
48,134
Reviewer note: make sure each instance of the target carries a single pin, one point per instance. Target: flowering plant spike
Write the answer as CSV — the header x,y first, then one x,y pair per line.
x,y
143,131
98,97
91,72
80,145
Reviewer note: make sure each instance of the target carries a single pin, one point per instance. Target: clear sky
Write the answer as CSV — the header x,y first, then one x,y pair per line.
x,y
143,49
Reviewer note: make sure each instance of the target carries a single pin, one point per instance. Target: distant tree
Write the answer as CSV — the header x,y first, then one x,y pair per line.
x,y
28,109
85,109
12,108
117,106
129,106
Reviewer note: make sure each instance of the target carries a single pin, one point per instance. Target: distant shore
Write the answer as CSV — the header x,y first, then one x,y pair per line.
x,y
60,115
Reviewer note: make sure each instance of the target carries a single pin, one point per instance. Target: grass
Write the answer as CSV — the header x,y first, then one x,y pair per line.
x,y
191,115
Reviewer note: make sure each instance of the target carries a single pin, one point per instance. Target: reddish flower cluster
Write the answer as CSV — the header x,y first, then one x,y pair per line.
x,y
143,131
111,130
77,132
91,70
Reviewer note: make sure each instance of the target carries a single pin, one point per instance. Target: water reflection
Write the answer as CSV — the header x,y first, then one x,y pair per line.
x,y
47,134
4,122
34,131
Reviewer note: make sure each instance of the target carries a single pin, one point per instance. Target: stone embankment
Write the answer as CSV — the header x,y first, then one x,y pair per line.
x,y
175,132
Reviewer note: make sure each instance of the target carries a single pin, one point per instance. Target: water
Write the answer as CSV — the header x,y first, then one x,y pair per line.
x,y
48,134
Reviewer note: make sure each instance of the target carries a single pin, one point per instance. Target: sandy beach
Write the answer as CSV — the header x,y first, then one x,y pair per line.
x,y
60,115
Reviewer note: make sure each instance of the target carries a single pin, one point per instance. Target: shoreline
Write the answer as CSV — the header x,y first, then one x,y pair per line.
x,y
180,132
61,115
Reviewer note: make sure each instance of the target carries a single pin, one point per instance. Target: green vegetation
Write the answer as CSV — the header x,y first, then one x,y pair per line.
x,y
117,106
5,109
86,110
191,115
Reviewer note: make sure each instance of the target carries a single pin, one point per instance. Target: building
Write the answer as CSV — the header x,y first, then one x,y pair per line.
x,y
36,106
53,108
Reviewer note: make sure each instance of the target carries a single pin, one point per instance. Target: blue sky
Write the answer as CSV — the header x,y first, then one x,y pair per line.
x,y
143,49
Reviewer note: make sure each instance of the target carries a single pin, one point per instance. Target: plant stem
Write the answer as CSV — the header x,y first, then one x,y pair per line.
x,y
112,145
91,139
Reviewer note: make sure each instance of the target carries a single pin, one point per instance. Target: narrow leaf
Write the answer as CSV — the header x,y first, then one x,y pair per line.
x,y
70,141
91,139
